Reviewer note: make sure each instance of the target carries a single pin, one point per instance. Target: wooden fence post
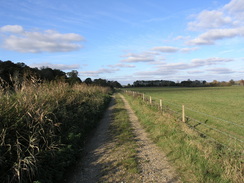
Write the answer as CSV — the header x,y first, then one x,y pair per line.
x,y
161,104
150,100
143,97
183,114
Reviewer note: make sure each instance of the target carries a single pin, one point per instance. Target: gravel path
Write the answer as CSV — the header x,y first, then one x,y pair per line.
x,y
153,163
99,154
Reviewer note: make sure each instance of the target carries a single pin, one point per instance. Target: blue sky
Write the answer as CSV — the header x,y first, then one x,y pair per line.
x,y
127,40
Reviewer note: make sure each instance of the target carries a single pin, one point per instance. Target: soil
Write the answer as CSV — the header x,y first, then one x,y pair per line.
x,y
99,157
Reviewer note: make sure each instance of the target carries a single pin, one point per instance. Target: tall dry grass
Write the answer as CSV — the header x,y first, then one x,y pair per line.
x,y
43,126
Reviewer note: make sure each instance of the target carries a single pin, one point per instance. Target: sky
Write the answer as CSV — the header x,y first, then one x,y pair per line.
x,y
127,40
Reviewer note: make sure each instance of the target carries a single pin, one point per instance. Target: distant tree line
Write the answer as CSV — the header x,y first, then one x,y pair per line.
x,y
103,82
187,83
141,83
12,74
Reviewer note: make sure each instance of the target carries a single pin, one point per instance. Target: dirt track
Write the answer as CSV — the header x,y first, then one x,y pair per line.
x,y
98,153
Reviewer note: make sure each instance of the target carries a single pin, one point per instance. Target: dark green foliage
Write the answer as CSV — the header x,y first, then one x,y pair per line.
x,y
73,77
12,73
104,82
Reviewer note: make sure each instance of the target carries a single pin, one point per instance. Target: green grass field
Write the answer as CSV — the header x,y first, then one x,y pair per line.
x,y
219,109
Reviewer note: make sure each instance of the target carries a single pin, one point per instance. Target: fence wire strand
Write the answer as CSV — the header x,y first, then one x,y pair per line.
x,y
217,130
215,117
167,108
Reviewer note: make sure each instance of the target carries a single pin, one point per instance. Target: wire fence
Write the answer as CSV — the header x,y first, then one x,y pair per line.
x,y
225,133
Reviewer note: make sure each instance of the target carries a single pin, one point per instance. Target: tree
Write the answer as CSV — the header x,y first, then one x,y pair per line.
x,y
88,81
242,82
100,82
60,75
73,77
116,84
47,74
214,83
21,64
186,83
73,74
232,82
11,73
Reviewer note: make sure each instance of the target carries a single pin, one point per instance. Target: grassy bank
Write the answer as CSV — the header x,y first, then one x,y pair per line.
x,y
42,129
197,159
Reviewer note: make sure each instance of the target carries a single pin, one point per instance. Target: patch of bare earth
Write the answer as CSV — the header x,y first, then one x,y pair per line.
x,y
101,157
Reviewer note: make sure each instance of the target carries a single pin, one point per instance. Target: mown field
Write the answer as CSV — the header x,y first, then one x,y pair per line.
x,y
214,111
43,128
213,157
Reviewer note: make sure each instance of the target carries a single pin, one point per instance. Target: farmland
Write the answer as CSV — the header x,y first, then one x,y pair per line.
x,y
214,108
208,147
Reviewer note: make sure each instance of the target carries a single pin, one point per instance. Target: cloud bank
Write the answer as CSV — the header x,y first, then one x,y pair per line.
x,y
56,66
225,22
142,57
174,68
15,38
99,71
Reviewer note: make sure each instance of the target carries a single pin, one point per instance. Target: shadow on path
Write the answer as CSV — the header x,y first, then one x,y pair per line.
x,y
89,167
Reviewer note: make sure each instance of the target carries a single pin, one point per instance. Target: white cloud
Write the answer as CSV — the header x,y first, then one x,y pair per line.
x,y
12,29
200,41
173,68
35,42
211,36
165,49
170,49
56,66
143,57
160,72
186,50
235,6
195,72
122,65
176,66
236,9
99,71
221,71
138,59
209,61
159,62
222,23
181,38
209,19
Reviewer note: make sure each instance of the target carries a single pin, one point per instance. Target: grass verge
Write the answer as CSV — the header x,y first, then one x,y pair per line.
x,y
197,159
